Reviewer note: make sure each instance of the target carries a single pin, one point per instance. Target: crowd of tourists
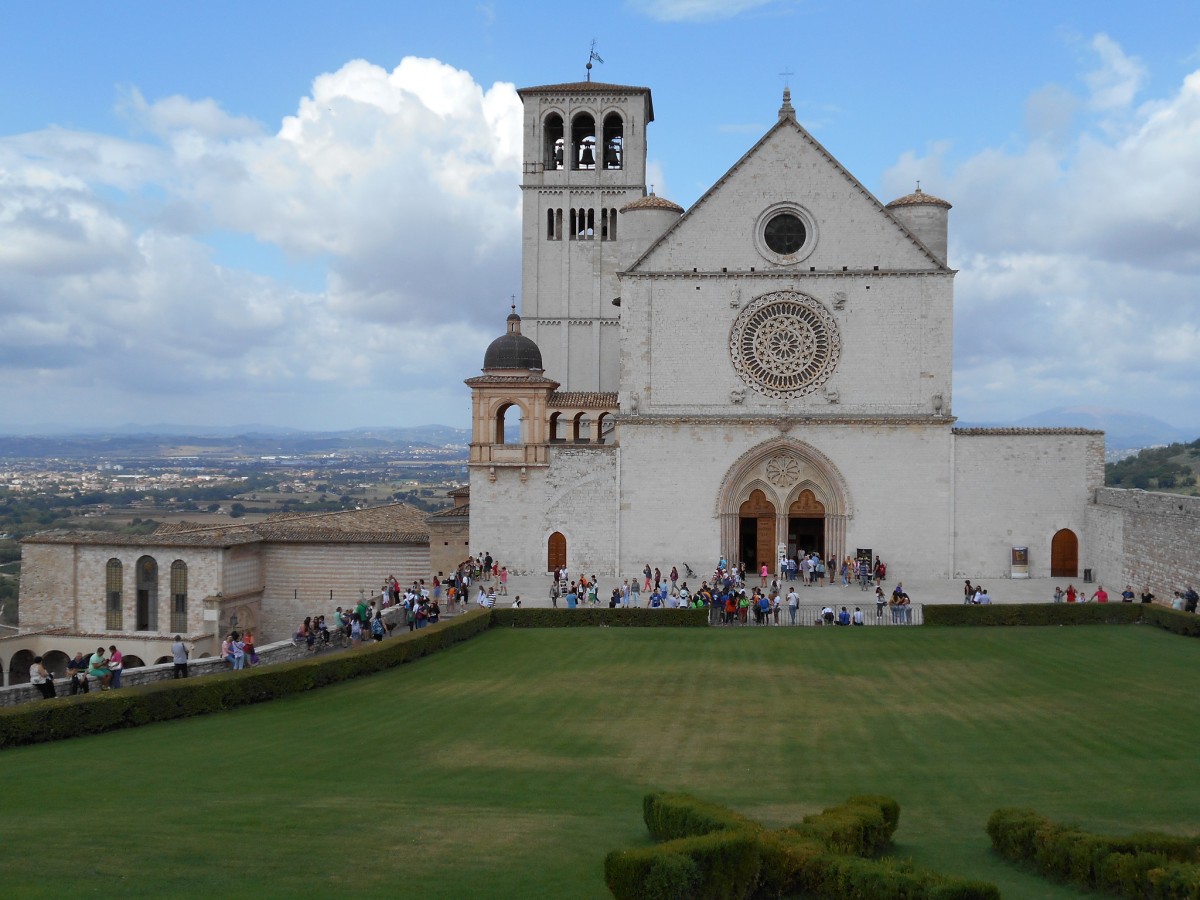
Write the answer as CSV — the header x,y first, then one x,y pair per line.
x,y
1185,600
731,601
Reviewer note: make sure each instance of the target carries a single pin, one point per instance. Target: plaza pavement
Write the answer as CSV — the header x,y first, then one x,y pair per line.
x,y
535,590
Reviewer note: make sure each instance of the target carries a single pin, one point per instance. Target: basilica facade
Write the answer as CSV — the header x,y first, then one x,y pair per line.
x,y
767,372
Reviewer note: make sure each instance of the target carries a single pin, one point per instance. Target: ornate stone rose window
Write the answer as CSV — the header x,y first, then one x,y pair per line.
x,y
785,344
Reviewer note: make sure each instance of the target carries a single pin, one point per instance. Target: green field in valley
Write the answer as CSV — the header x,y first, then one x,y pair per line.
x,y
509,765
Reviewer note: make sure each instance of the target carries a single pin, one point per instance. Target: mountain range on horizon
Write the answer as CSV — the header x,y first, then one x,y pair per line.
x,y
1124,430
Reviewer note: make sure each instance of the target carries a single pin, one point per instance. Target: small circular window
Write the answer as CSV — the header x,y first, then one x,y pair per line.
x,y
785,233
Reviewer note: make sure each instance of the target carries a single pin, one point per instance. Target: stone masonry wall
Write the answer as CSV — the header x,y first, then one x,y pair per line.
x,y
1147,538
512,518
1017,489
300,577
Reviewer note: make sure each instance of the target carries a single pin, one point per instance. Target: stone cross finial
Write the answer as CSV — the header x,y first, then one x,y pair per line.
x,y
787,111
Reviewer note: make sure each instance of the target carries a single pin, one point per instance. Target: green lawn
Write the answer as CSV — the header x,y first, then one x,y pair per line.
x,y
508,766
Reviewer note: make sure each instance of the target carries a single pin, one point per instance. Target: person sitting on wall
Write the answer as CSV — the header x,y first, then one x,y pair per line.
x,y
77,669
843,618
41,679
98,669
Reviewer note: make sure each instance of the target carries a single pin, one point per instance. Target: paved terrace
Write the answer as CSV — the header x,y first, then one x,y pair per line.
x,y
535,590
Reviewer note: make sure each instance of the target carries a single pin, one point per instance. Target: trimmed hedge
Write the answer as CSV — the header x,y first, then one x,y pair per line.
x,y
1148,865
594,616
1034,614
97,712
1174,620
671,816
711,851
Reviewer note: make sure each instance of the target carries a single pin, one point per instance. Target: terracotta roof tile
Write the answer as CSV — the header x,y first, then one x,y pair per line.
x,y
584,399
919,198
652,202
582,87
213,537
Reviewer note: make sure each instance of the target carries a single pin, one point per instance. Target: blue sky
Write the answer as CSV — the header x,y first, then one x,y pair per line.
x,y
306,214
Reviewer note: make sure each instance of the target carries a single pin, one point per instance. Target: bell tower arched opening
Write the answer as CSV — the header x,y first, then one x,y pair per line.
x,y
583,142
554,155
614,141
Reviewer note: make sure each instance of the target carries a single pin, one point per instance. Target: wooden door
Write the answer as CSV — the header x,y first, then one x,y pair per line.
x,y
1064,555
762,511
556,551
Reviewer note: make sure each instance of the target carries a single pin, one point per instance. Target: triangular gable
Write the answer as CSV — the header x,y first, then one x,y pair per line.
x,y
907,251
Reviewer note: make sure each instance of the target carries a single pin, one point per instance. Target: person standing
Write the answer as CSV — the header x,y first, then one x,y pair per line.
x,y
179,656
968,593
1101,595
41,679
504,580
116,665
1147,597
793,602
1127,594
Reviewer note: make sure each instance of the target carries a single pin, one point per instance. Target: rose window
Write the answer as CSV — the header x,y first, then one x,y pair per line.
x,y
783,471
785,345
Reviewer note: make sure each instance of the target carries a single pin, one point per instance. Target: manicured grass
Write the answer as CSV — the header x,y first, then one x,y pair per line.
x,y
509,766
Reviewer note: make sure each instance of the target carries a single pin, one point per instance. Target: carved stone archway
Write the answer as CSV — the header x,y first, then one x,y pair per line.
x,y
791,475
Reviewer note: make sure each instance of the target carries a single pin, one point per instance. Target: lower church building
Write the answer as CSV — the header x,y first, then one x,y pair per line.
x,y
765,373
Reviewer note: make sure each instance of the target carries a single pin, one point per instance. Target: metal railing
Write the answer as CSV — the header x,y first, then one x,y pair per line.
x,y
873,616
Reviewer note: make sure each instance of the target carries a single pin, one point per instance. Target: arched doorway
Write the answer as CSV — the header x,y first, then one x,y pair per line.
x,y
756,531
556,551
1064,554
807,496
806,525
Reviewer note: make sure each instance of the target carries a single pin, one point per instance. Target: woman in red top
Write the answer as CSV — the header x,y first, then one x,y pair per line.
x,y
1071,595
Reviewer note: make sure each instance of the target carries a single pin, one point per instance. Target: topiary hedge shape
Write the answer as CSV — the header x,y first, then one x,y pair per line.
x,y
709,851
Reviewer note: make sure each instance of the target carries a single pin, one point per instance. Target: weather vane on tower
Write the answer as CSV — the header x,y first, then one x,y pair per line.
x,y
592,55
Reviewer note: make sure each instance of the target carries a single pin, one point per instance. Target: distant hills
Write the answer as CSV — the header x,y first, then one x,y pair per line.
x,y
1123,431
252,440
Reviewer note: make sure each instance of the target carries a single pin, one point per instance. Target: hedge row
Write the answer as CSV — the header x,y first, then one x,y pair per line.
x,y
711,851
98,712
1034,614
593,616
1149,865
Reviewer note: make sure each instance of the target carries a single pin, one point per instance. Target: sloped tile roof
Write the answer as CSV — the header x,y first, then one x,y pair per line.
x,y
652,202
584,399
919,198
212,537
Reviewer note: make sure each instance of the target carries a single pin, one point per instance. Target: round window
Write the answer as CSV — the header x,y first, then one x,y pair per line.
x,y
785,233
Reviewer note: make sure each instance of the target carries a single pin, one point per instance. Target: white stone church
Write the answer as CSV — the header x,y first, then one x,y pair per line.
x,y
769,371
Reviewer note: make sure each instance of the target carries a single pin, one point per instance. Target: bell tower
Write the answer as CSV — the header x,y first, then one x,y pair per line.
x,y
584,158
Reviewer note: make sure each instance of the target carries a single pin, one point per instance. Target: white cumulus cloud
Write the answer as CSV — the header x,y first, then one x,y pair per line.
x,y
400,186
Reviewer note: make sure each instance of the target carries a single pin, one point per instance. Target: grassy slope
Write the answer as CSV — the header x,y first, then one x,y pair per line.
x,y
509,766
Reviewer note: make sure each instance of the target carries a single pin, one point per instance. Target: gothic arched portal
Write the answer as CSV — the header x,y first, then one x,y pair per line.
x,y
782,496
